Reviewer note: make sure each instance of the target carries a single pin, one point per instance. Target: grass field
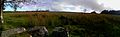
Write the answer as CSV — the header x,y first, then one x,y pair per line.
x,y
79,24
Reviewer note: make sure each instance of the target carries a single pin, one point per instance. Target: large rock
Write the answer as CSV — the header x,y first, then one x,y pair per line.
x,y
7,33
60,32
38,31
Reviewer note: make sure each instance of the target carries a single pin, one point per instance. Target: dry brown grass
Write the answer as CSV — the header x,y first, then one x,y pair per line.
x,y
80,24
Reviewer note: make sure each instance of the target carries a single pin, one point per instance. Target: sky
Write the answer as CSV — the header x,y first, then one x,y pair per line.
x,y
69,5
113,4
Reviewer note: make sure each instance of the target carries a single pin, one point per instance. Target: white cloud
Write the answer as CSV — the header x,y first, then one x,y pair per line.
x,y
114,4
66,5
91,4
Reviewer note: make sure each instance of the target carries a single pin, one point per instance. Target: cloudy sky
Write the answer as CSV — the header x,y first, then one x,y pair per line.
x,y
69,5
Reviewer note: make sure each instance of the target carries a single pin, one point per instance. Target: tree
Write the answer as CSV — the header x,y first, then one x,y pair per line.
x,y
93,12
1,12
1,17
105,12
15,4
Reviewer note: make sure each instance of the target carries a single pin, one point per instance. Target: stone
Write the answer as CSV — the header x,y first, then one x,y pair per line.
x,y
59,32
7,33
38,31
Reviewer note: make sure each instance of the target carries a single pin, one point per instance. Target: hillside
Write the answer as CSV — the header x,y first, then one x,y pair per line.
x,y
79,24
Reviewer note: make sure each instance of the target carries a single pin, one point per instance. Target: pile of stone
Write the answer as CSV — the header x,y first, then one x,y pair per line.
x,y
37,31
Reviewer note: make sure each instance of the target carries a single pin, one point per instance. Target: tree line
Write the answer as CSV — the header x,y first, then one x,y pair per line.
x,y
114,12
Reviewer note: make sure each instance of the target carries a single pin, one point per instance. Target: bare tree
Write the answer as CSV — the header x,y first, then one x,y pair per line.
x,y
1,15
1,9
1,12
15,6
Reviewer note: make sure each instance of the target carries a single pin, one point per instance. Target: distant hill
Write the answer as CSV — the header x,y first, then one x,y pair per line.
x,y
114,12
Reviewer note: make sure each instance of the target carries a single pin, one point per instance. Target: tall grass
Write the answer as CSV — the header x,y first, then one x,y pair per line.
x,y
80,25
